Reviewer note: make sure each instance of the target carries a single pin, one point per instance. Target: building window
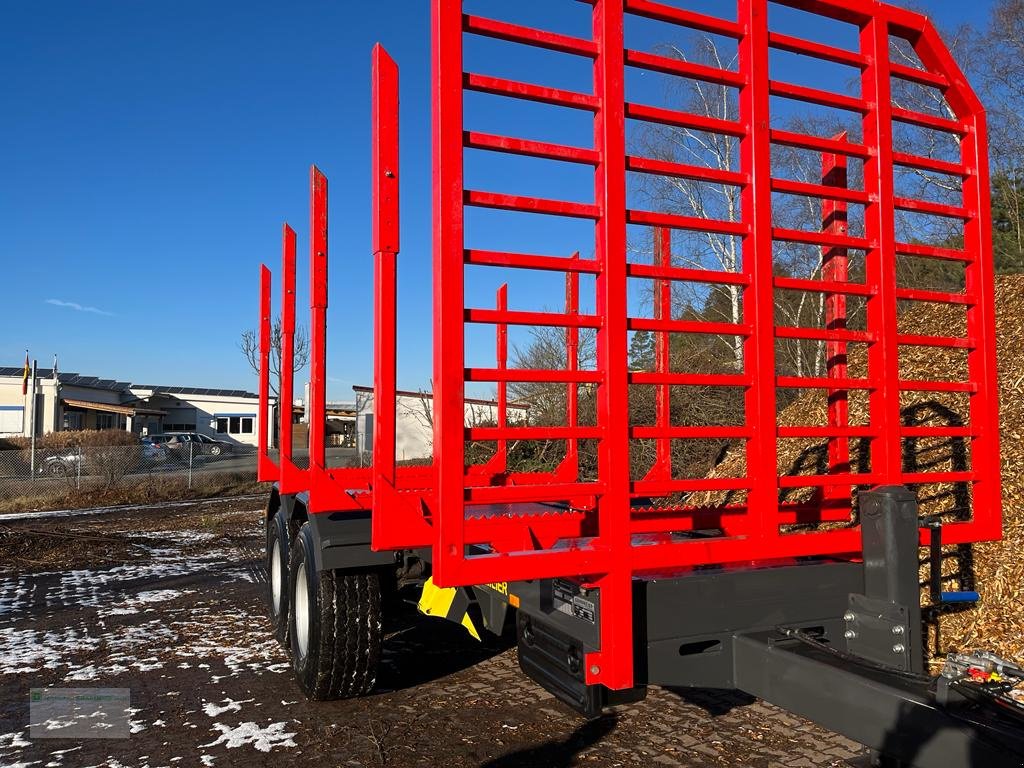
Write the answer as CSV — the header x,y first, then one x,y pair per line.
x,y
235,425
182,427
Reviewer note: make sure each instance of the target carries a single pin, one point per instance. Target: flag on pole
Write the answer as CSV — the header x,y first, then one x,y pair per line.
x,y
24,376
55,368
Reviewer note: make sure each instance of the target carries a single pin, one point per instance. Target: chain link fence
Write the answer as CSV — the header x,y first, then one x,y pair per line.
x,y
72,475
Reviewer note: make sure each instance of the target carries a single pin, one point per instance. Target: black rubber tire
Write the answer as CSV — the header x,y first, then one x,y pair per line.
x,y
278,604
338,658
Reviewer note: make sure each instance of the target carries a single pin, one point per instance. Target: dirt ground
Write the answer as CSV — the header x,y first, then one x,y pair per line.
x,y
169,604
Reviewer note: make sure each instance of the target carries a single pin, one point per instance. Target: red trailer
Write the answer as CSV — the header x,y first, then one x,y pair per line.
x,y
616,580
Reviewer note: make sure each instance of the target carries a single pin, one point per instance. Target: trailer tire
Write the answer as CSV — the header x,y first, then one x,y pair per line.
x,y
277,575
334,626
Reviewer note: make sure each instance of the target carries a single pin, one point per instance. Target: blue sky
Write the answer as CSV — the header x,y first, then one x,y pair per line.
x,y
150,151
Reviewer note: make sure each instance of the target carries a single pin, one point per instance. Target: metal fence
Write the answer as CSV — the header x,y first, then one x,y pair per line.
x,y
87,469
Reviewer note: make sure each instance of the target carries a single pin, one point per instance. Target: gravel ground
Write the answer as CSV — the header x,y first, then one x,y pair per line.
x,y
169,604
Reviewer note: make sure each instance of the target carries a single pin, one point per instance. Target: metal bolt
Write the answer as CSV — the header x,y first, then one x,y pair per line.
x,y
389,174
898,629
594,669
849,634
849,616
898,648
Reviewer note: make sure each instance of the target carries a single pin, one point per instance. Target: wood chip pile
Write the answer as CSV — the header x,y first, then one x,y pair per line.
x,y
995,569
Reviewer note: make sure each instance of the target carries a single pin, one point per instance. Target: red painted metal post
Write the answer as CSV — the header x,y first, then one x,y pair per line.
x,y
880,231
385,255
317,405
290,477
569,468
835,268
759,298
449,341
264,466
662,354
500,461
614,665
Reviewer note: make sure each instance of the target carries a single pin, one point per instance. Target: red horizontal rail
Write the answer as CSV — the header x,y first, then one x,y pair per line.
x,y
785,186
691,379
933,122
814,382
512,317
525,204
541,149
500,86
932,252
930,164
538,38
941,431
919,76
934,209
952,342
547,376
682,171
817,96
938,297
922,478
687,485
531,261
798,45
690,223
819,144
922,385
687,326
822,334
827,432
674,15
683,119
694,433
533,433
824,481
668,66
823,286
543,564
509,493
689,275
825,239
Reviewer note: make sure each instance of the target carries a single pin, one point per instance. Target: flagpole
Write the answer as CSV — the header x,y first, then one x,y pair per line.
x,y
32,421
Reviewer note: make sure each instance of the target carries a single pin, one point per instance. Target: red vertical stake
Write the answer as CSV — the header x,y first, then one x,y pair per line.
x,y
287,388
385,235
662,354
880,231
317,332
569,468
449,298
759,297
613,666
834,268
501,358
264,466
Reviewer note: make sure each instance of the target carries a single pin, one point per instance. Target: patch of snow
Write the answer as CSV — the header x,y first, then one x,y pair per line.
x,y
261,739
230,705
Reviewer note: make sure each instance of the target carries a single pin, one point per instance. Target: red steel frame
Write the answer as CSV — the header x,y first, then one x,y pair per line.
x,y
488,523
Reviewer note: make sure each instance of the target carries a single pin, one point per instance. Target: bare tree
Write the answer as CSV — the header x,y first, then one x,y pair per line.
x,y
249,344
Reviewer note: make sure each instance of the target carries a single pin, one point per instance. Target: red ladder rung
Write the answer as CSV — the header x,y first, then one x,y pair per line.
x,y
924,385
673,15
938,297
688,326
819,144
823,334
930,164
689,223
827,481
538,38
919,76
941,431
933,122
924,478
932,252
683,171
689,485
815,382
823,286
665,65
824,239
510,493
951,342
524,204
500,86
531,261
545,376
803,47
541,149
512,317
533,433
691,379
691,433
817,96
785,186
686,274
681,119
933,209
807,432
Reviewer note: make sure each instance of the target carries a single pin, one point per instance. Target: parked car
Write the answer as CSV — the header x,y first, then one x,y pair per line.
x,y
202,445
66,462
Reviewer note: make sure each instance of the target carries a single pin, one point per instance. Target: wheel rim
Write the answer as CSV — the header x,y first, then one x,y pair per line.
x,y
275,577
301,603
215,450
